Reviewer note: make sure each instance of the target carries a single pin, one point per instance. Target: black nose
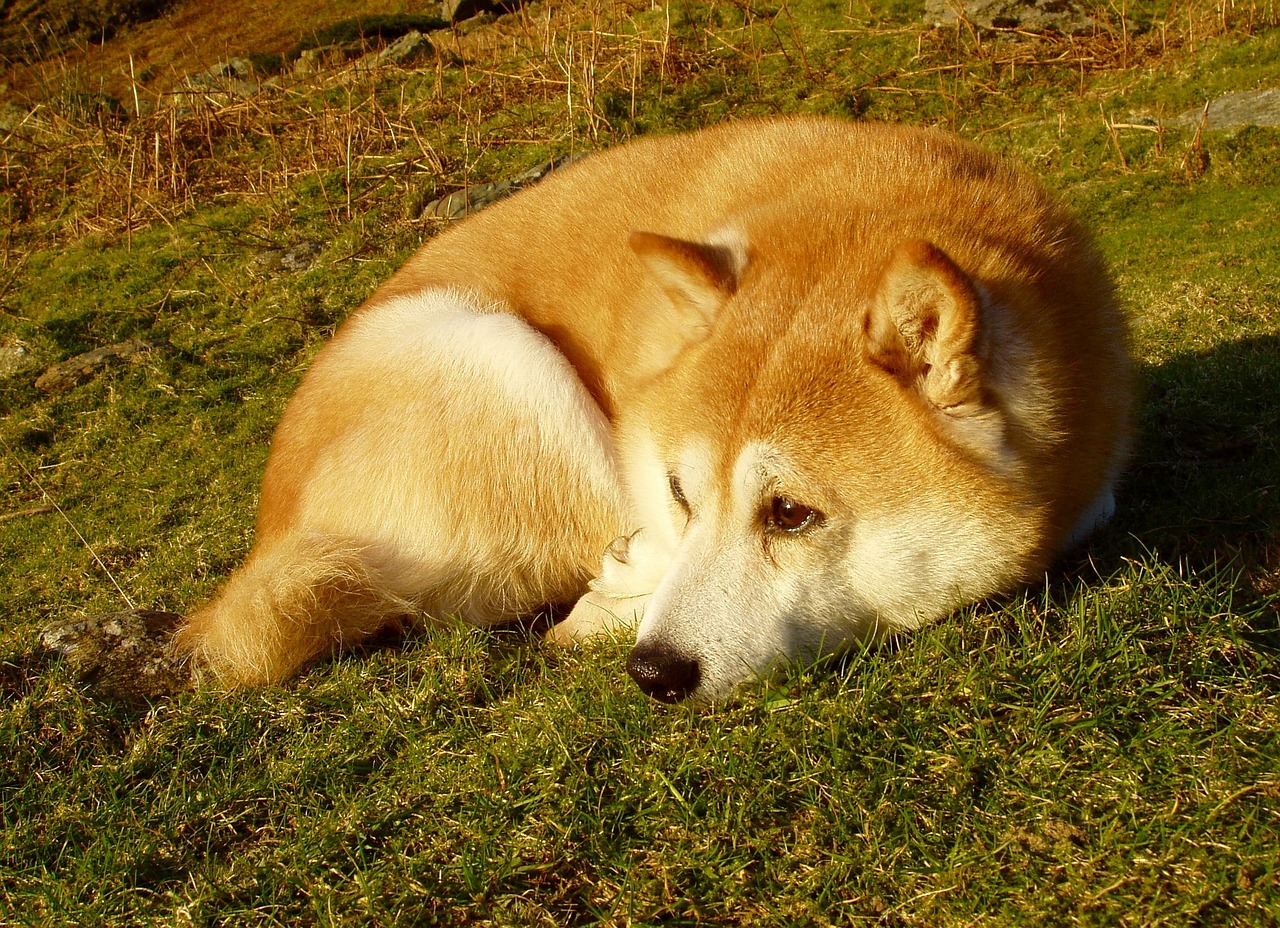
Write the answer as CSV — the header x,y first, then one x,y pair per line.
x,y
663,672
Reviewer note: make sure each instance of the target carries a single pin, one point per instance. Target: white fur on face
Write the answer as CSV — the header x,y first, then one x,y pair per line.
x,y
908,568
739,600
731,598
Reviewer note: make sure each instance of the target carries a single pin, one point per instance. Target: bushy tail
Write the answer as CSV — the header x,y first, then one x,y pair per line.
x,y
297,597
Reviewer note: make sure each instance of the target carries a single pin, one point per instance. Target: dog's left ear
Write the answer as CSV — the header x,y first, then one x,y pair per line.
x,y
922,327
697,278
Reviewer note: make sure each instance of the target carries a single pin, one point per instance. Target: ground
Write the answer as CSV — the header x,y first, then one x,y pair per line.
x,y
1099,749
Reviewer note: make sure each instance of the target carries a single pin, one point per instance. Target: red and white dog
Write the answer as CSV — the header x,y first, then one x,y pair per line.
x,y
757,391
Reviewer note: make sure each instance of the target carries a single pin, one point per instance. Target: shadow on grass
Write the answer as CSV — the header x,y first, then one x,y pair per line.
x,y
1205,483
20,674
1203,489
509,655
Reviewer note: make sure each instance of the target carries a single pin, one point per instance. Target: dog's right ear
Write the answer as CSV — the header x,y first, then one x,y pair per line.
x,y
697,279
922,327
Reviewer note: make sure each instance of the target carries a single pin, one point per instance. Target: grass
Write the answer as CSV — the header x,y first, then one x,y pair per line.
x,y
1099,750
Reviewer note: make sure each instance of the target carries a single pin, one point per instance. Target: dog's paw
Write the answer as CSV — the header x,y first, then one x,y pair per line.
x,y
614,603
598,614
632,566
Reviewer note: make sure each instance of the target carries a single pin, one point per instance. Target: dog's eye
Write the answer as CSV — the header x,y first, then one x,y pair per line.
x,y
790,516
677,493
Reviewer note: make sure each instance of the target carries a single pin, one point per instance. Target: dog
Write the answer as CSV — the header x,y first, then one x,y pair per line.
x,y
756,392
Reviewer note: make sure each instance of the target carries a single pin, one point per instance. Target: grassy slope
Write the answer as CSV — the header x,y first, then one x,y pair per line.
x,y
1102,749
158,41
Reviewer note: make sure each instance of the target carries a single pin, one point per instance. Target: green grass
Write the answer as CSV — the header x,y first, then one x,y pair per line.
x,y
1100,750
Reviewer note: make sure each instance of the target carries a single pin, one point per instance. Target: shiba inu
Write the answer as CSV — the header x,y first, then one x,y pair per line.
x,y
755,391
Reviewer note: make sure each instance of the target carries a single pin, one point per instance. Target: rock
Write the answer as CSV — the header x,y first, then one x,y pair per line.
x,y
465,15
402,51
472,199
232,78
231,68
454,11
85,107
66,374
1062,16
468,200
12,117
270,258
297,258
1235,110
310,61
15,356
122,654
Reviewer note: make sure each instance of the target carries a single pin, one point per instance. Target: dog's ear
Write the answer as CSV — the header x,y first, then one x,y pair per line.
x,y
697,279
922,327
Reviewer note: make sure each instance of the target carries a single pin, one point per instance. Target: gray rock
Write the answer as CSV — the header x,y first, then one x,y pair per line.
x,y
297,258
233,67
402,51
311,61
1234,110
15,357
1062,16
231,78
455,11
122,654
12,117
468,200
66,374
92,107
471,199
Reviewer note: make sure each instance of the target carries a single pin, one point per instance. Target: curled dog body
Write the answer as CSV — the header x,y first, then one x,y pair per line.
x,y
757,392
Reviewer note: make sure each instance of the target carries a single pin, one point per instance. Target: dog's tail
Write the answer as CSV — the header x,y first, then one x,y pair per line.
x,y
298,597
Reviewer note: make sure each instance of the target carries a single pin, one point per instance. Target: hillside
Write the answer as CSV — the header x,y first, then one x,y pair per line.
x,y
183,234
150,45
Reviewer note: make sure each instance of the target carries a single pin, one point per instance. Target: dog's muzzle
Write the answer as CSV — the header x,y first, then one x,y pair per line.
x,y
663,672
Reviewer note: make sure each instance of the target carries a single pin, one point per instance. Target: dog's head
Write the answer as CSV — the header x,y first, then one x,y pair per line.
x,y
819,453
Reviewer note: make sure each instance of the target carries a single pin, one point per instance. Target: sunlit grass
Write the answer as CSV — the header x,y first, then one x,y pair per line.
x,y
1098,750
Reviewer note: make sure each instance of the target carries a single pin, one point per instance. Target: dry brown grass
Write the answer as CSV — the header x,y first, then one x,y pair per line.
x,y
189,38
1120,42
73,167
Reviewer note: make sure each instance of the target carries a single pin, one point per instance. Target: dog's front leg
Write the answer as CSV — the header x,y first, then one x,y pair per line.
x,y
614,604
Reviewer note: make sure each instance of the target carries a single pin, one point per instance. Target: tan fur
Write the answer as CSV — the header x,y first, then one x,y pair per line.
x,y
293,600
884,323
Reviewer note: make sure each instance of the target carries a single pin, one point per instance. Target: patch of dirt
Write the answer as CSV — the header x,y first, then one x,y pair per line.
x,y
189,36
